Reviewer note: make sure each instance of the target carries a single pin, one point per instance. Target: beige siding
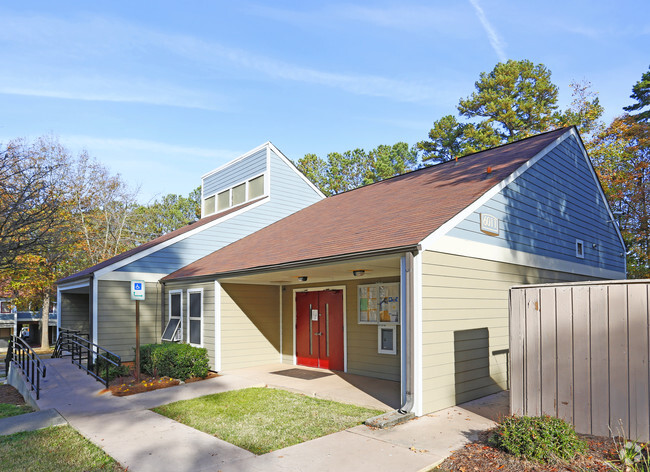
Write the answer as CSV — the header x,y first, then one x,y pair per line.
x,y
580,353
362,355
75,311
116,317
208,313
250,325
465,325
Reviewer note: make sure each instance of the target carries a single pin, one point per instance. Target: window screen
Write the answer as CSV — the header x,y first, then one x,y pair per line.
x,y
208,205
175,305
5,307
256,187
171,329
195,305
238,194
194,313
223,200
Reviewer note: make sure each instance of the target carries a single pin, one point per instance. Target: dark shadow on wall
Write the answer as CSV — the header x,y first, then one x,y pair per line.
x,y
472,365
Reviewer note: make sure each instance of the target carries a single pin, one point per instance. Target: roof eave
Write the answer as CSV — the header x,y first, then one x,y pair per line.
x,y
298,264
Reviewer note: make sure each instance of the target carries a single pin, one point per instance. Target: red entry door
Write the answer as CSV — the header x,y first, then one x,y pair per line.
x,y
319,329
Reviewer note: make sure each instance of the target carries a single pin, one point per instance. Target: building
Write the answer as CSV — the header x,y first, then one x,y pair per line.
x,y
406,279
239,198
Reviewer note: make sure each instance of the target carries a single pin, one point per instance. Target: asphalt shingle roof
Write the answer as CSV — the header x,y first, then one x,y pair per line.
x,y
394,213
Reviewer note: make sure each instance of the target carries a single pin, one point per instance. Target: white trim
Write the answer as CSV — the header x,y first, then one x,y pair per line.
x,y
128,276
345,319
393,328
95,295
281,350
417,335
293,167
612,220
59,305
189,292
464,247
235,160
217,326
169,309
446,227
180,237
72,286
267,179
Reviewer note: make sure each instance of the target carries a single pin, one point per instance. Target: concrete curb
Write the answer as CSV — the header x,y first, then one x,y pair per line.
x,y
31,421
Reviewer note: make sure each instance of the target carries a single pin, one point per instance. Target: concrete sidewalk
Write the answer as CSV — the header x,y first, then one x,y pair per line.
x,y
144,441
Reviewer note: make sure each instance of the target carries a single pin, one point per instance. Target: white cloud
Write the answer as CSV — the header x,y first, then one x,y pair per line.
x,y
495,40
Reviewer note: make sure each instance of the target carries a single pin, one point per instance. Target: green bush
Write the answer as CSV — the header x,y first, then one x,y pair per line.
x,y
179,361
540,438
113,371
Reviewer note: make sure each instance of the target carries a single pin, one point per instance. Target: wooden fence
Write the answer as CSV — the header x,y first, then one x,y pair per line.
x,y
580,352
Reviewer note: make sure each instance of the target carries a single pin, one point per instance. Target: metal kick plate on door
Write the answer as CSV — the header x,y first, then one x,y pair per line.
x,y
314,315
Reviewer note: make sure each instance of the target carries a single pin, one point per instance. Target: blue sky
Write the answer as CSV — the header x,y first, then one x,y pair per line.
x,y
163,91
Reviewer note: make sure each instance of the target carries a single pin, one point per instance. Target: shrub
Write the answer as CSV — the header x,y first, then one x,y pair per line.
x,y
540,438
113,371
179,361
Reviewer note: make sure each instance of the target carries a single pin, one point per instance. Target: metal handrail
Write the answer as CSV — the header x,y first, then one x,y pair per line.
x,y
63,342
83,351
22,355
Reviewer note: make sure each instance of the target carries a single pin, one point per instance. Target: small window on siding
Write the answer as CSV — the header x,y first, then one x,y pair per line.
x,y
580,249
256,187
173,331
208,205
223,200
195,318
387,342
239,194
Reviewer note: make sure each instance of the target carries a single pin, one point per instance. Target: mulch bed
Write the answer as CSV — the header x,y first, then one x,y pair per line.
x,y
9,394
124,386
480,456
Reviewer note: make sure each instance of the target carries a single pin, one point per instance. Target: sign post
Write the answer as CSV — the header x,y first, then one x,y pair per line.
x,y
137,294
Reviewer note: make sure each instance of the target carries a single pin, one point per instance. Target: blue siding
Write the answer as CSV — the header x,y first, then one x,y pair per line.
x,y
240,171
547,208
289,193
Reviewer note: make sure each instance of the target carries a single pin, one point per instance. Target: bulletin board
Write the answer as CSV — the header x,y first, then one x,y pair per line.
x,y
379,303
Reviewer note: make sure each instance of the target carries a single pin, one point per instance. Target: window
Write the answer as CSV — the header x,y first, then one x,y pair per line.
x,y
208,205
239,194
195,317
5,307
223,200
174,329
580,249
387,339
379,303
256,187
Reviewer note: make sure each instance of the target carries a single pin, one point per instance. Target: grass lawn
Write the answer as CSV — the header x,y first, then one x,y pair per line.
x,y
7,409
265,419
56,448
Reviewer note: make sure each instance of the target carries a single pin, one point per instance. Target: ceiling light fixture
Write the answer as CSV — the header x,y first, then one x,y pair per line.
x,y
358,272
303,278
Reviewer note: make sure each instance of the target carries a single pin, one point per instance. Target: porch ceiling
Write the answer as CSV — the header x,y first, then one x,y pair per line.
x,y
376,267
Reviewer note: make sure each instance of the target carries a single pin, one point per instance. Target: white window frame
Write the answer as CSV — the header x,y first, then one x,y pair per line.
x,y
169,312
380,349
580,249
200,292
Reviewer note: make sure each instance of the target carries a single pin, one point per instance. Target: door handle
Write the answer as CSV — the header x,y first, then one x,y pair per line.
x,y
318,334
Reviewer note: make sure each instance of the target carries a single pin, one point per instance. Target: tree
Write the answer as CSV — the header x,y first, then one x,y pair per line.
x,y
641,93
341,172
621,155
28,199
160,217
86,212
515,100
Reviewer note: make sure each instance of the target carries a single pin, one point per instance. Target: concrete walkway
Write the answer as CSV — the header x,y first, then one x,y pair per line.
x,y
144,441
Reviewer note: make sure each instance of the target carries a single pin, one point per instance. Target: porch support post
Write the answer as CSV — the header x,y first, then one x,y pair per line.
x,y
407,332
